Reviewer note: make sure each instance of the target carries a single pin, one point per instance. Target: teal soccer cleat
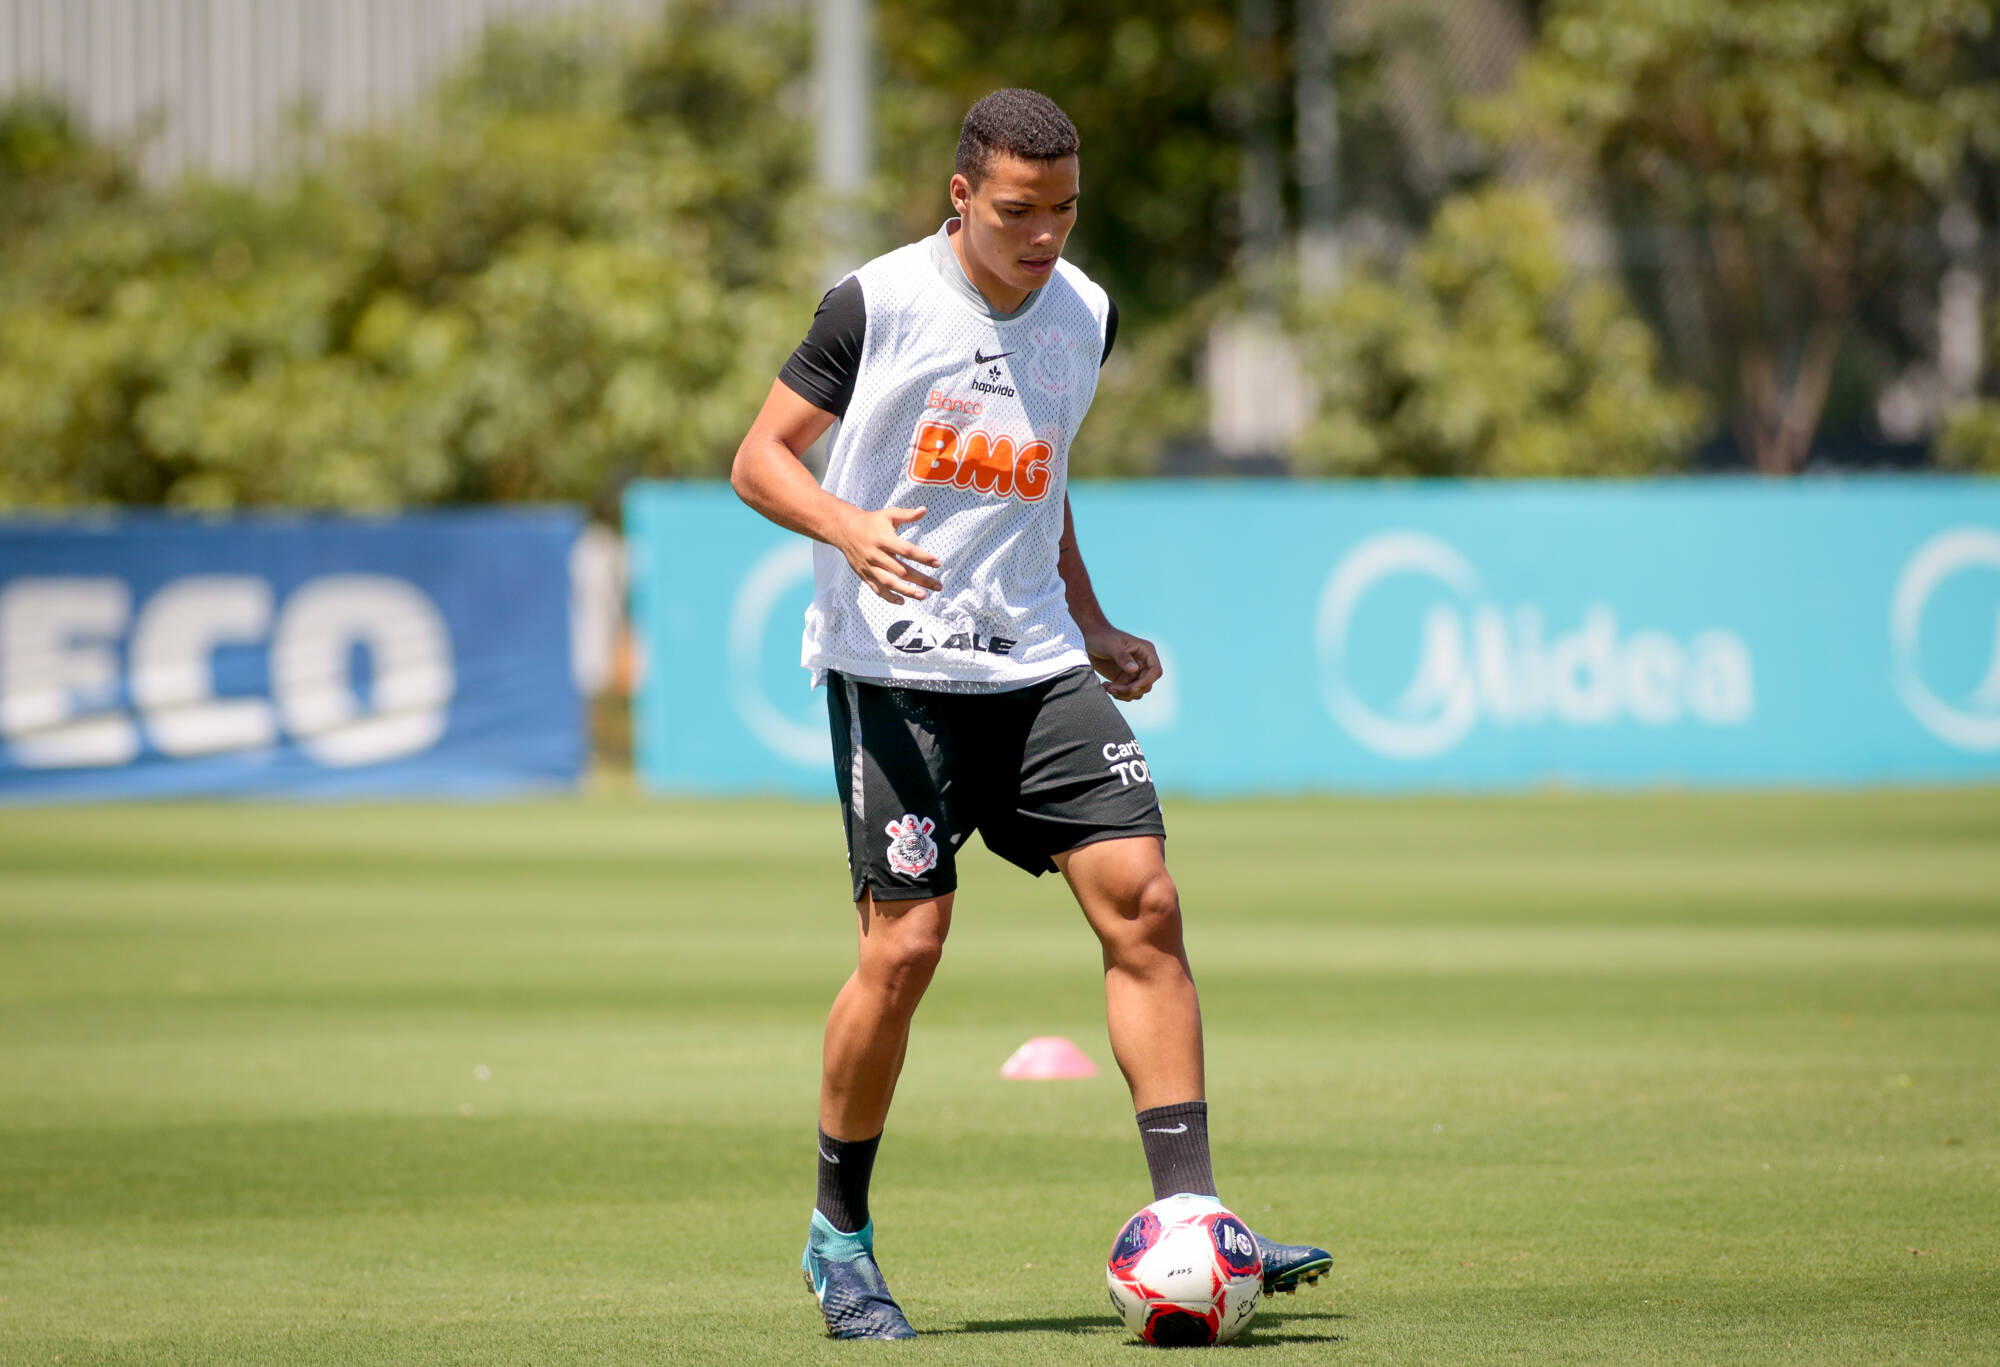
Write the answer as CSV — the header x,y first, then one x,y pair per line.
x,y
1286,1265
841,1273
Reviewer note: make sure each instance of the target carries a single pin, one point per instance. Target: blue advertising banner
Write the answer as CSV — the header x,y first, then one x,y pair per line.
x,y
147,655
1412,636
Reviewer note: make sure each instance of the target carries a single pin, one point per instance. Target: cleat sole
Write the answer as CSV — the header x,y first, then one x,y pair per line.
x,y
1289,1285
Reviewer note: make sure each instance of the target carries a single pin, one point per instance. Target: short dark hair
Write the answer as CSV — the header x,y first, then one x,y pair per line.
x,y
1022,123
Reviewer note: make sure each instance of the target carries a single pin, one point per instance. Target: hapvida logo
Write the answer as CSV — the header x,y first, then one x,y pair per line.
x,y
1944,582
991,384
1478,660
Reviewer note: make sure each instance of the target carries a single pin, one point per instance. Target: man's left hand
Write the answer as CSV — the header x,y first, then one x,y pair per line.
x,y
1130,664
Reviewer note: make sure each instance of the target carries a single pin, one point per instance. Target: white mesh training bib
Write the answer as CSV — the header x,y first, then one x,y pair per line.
x,y
971,418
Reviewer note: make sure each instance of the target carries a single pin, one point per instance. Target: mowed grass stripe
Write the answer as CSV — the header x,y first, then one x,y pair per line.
x,y
1662,1078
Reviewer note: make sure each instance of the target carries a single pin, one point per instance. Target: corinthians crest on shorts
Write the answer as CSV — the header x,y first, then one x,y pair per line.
x,y
911,849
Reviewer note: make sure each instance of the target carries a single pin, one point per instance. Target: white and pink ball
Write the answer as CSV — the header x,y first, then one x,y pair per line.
x,y
1185,1272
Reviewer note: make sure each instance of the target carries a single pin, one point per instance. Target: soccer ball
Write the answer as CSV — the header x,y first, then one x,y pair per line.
x,y
1185,1273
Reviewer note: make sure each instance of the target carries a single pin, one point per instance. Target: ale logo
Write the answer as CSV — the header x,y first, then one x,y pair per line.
x,y
1481,661
912,638
1944,637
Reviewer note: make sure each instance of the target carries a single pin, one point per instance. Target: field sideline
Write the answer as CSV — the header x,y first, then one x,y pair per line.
x,y
1560,1079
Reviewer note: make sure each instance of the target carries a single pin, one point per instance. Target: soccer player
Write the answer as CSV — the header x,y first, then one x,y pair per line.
x,y
956,632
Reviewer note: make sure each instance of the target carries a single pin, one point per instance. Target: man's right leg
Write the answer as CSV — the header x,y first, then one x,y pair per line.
x,y
898,946
893,752
867,1036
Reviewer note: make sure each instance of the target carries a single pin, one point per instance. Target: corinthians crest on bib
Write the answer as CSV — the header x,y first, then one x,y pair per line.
x,y
911,849
1051,367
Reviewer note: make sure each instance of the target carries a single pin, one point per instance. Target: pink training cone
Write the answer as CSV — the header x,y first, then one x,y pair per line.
x,y
1047,1056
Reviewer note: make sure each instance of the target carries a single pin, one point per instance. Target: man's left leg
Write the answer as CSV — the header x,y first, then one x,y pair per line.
x,y
1150,1004
1154,1017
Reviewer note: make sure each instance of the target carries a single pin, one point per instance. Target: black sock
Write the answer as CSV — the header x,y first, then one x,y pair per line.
x,y
845,1165
1176,1140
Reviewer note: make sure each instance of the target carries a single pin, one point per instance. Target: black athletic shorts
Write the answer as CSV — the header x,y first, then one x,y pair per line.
x,y
1035,770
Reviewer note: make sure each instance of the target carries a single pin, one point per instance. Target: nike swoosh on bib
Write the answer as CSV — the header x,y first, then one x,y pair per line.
x,y
1178,1129
977,359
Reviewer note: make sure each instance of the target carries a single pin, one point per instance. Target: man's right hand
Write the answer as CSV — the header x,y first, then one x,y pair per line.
x,y
877,552
767,475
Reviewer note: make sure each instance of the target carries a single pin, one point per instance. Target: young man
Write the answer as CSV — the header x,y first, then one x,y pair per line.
x,y
955,628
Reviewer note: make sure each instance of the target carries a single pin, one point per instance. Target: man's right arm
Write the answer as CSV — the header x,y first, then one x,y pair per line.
x,y
769,476
810,393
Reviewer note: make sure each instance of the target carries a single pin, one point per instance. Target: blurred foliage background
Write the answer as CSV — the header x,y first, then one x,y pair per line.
x,y
1800,151
1486,353
584,266
1602,237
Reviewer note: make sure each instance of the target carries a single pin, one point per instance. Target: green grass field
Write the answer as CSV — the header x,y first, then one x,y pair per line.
x,y
1562,1079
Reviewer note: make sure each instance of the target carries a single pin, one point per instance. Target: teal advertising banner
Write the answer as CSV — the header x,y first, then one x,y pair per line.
x,y
1373,637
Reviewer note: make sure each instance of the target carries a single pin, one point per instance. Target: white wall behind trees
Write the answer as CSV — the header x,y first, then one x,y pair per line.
x,y
216,85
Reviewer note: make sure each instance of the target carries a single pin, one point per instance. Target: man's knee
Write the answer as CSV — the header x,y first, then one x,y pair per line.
x,y
1159,900
900,952
910,961
1150,917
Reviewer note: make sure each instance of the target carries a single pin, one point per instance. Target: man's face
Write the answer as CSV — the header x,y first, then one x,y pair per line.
x,y
1016,220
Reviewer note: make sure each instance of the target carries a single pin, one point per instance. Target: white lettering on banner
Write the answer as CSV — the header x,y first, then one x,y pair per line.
x,y
769,579
59,672
173,670
409,649
1476,660
1973,723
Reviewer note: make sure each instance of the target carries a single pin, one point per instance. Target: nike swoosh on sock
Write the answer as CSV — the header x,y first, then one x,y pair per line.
x,y
1178,1129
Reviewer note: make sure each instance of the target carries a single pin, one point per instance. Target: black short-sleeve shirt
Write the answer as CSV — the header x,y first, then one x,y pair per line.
x,y
822,370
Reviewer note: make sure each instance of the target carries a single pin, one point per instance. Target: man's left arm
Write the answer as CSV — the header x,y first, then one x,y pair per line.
x,y
1130,664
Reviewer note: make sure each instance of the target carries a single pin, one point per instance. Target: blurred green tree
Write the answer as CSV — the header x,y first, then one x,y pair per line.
x,y
584,266
1150,86
1162,94
1797,142
1970,438
1154,89
48,169
1487,353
